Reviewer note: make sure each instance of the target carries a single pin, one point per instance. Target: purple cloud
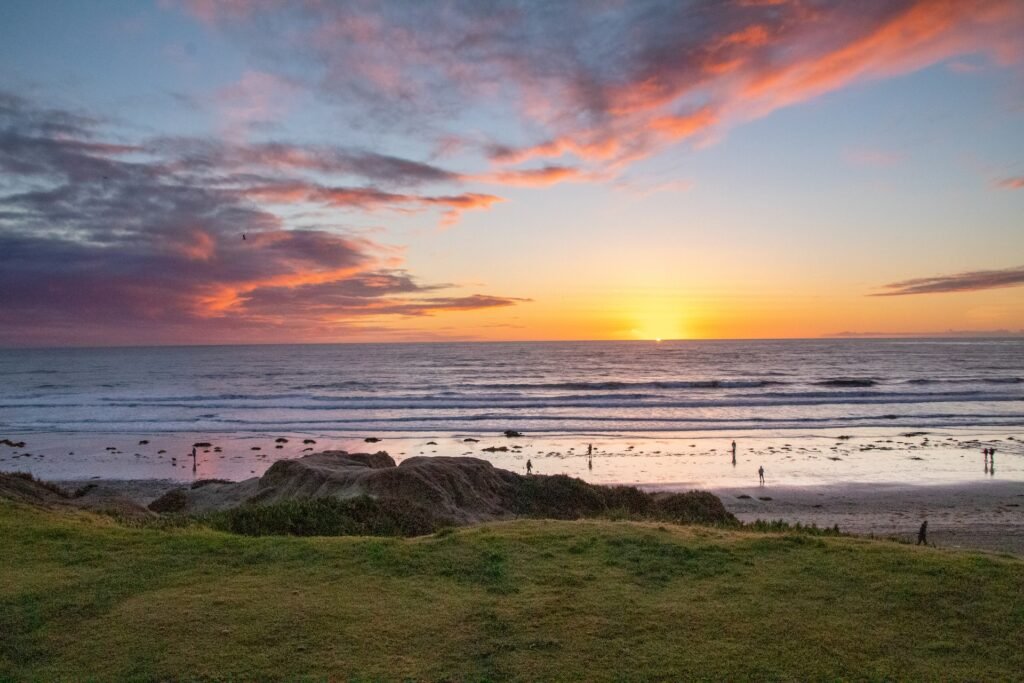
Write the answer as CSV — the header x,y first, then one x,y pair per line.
x,y
100,239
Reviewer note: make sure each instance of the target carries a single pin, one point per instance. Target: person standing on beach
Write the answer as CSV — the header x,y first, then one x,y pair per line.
x,y
760,474
590,462
590,449
922,534
529,467
734,454
193,460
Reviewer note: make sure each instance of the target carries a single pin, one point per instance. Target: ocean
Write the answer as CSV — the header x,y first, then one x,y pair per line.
x,y
550,388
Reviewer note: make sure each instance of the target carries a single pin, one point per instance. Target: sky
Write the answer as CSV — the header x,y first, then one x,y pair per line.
x,y
265,171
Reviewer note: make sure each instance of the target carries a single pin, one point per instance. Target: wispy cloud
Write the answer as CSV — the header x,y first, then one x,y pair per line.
x,y
958,282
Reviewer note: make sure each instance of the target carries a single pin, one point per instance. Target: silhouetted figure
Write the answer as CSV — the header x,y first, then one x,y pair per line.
x,y
243,236
590,462
590,449
760,474
193,460
529,467
922,534
734,454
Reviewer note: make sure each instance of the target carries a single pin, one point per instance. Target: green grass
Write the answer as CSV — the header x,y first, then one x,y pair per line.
x,y
83,597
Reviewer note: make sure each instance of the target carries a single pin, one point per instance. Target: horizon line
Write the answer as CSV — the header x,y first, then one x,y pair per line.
x,y
848,336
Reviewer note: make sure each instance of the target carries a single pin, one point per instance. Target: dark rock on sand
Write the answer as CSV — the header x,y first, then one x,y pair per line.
x,y
12,444
280,439
496,449
371,439
308,441
471,440
144,442
202,444
511,433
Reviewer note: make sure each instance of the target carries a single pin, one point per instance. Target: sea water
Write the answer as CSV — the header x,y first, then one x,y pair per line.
x,y
556,387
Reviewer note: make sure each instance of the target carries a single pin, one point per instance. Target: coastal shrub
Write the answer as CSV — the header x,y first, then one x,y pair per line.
x,y
627,500
563,497
174,500
361,516
557,497
692,507
781,526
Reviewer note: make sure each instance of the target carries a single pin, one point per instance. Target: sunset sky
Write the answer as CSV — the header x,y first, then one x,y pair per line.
x,y
407,171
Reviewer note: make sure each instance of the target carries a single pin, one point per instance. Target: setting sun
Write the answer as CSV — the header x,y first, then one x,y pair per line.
x,y
657,319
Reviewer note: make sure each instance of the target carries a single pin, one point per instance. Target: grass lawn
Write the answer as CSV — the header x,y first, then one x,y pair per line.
x,y
83,597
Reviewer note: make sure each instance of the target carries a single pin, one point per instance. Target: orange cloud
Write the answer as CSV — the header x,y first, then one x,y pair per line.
x,y
534,177
927,31
686,125
758,68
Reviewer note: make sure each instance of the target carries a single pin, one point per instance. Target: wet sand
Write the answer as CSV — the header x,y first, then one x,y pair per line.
x,y
681,460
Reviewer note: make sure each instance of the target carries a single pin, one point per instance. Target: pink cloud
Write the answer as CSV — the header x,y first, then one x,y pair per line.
x,y
1016,183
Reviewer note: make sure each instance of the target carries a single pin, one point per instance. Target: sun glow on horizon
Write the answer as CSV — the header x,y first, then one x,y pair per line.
x,y
657,319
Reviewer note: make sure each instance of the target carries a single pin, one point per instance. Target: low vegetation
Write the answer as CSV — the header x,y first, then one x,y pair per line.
x,y
362,516
84,597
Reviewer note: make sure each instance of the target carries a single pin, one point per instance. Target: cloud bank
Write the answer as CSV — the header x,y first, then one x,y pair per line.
x,y
145,241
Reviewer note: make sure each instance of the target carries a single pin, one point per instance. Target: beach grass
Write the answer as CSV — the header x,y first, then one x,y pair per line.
x,y
84,597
